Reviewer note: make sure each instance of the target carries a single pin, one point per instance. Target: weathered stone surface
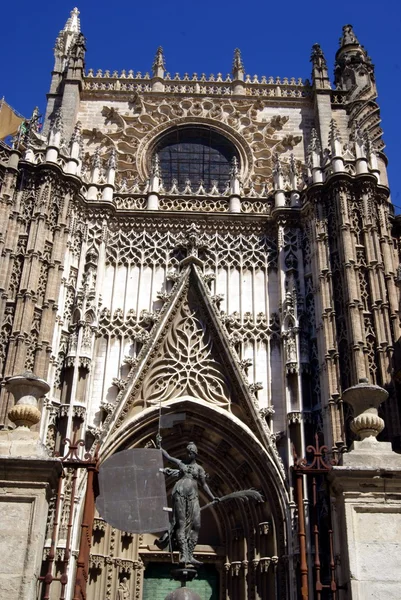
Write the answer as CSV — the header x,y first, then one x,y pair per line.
x,y
22,442
368,503
25,486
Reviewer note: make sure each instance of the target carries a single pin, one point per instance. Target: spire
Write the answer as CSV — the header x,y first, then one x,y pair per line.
x,y
317,57
361,151
73,24
348,37
110,176
76,134
278,175
34,124
336,148
235,187
75,149
278,182
320,75
112,162
372,156
96,161
159,65
66,39
55,137
234,171
238,70
156,166
353,69
314,144
334,134
314,157
294,174
57,122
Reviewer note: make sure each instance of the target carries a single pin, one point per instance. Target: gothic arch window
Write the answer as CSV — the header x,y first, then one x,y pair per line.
x,y
195,154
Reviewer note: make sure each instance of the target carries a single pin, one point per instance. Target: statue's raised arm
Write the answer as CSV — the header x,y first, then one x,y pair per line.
x,y
166,455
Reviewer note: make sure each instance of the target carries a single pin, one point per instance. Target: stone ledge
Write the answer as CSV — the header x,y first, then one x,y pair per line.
x,y
23,443
29,472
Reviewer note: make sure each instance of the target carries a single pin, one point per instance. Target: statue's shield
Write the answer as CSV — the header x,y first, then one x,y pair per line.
x,y
132,491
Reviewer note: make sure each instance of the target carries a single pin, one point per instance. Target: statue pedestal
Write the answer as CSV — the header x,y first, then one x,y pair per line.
x,y
183,574
368,504
27,477
367,494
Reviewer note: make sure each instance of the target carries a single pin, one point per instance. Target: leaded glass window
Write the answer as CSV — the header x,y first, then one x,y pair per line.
x,y
195,155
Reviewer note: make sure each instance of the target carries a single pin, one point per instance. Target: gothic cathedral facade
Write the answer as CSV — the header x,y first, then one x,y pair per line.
x,y
221,252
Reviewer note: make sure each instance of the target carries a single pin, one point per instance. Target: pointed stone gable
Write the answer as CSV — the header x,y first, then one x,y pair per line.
x,y
189,353
187,363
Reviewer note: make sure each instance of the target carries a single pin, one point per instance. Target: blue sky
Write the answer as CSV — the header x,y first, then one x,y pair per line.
x,y
275,39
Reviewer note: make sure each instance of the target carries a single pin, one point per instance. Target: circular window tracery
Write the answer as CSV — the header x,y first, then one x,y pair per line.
x,y
196,155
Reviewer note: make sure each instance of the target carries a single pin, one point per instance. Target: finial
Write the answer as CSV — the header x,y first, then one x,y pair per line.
x,y
317,57
156,166
348,36
73,24
96,159
334,134
35,114
277,168
112,162
370,149
314,144
293,165
320,74
57,121
238,65
159,63
34,124
234,167
356,132
76,134
313,160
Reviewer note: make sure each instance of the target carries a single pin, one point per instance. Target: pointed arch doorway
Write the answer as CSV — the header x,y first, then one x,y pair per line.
x,y
242,545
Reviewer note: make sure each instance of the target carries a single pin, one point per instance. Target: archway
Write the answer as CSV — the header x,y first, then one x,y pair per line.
x,y
245,543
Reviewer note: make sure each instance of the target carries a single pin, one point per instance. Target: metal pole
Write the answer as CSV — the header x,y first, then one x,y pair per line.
x,y
302,537
86,537
318,584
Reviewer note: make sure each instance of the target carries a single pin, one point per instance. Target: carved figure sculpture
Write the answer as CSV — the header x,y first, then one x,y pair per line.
x,y
123,590
186,519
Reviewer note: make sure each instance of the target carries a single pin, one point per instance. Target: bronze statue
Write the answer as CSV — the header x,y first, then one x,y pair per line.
x,y
186,519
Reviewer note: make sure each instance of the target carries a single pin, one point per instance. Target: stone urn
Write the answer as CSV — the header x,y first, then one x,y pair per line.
x,y
26,389
365,398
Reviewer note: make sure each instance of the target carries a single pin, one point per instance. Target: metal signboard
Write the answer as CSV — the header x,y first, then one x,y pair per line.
x,y
133,492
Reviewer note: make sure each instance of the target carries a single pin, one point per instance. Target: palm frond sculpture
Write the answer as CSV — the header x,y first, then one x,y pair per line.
x,y
243,495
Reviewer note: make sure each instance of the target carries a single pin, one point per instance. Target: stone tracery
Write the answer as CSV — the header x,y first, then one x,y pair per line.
x,y
135,134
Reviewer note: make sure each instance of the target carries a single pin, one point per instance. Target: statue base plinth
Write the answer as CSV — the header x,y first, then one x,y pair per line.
x,y
184,574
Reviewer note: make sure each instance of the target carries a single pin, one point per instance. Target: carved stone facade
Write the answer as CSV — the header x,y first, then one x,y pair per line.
x,y
249,306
